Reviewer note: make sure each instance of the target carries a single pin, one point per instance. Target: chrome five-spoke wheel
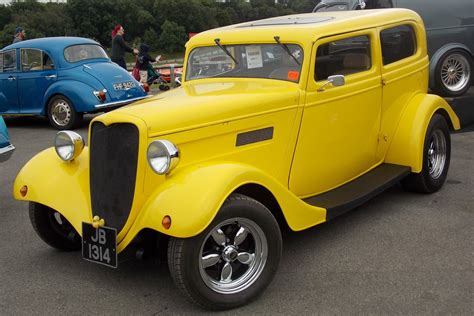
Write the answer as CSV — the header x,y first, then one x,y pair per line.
x,y
233,260
233,255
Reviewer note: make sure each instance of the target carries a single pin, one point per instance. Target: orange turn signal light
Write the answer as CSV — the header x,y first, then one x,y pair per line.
x,y
166,222
146,87
23,191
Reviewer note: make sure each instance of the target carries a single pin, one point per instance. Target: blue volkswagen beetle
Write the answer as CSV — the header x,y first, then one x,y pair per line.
x,y
63,78
6,149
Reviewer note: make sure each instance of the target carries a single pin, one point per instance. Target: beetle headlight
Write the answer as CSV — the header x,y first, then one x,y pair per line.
x,y
68,145
162,156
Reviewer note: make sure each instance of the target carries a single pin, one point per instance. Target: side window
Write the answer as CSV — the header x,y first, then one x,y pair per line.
x,y
397,43
343,57
47,62
31,59
9,61
1,62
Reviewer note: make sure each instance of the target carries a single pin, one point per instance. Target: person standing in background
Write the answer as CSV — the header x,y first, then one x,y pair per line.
x,y
20,35
119,47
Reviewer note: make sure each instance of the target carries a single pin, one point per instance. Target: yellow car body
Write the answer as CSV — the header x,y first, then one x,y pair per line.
x,y
320,140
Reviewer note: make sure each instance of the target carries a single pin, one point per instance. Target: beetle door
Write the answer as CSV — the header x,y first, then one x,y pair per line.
x,y
340,126
37,74
8,82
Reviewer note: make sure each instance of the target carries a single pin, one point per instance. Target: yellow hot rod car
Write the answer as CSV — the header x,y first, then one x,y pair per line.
x,y
283,122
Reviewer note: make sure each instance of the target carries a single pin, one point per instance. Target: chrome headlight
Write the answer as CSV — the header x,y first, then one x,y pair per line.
x,y
162,156
68,145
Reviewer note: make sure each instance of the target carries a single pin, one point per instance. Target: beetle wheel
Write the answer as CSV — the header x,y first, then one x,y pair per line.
x,y
61,113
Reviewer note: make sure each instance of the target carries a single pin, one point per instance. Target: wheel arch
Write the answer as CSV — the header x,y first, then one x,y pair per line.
x,y
435,59
406,147
266,197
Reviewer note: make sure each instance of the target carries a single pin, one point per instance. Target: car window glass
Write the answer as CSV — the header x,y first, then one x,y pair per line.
x,y
1,62
31,59
343,57
9,61
397,43
47,62
270,61
84,52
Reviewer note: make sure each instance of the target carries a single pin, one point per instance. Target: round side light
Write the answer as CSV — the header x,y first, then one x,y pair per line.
x,y
162,156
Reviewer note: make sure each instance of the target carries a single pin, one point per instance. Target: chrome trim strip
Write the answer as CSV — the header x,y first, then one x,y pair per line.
x,y
123,102
6,152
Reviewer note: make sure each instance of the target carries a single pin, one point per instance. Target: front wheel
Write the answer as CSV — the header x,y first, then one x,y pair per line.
x,y
62,114
233,260
436,157
53,228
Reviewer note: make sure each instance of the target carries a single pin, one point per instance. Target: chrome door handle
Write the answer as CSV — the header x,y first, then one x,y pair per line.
x,y
11,78
50,77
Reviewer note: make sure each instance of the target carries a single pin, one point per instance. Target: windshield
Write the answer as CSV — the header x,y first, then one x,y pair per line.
x,y
335,5
270,61
77,53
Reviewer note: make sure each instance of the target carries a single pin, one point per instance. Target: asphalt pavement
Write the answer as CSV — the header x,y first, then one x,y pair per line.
x,y
400,253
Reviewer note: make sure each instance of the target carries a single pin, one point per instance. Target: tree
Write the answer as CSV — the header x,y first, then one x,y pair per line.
x,y
173,37
151,39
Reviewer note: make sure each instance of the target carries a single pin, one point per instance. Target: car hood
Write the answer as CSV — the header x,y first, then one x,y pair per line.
x,y
201,104
109,74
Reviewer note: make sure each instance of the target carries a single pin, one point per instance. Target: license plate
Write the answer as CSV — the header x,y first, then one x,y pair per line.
x,y
124,85
99,245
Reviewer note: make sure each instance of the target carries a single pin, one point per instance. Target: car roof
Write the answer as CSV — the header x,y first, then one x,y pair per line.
x,y
51,44
303,28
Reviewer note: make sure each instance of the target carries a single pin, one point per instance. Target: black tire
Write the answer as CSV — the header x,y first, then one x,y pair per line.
x,y
61,113
185,256
58,234
436,158
453,73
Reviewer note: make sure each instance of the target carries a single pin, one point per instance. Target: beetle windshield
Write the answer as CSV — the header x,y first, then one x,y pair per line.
x,y
77,53
270,61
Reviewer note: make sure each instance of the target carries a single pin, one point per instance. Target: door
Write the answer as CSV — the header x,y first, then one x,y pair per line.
x,y
340,125
8,82
37,74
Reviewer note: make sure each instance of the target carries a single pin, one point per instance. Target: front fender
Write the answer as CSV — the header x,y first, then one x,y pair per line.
x,y
59,185
192,198
80,94
406,147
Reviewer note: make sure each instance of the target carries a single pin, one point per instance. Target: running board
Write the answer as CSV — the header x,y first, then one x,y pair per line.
x,y
359,191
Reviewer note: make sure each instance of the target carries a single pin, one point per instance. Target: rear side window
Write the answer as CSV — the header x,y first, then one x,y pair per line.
x,y
35,59
397,43
343,57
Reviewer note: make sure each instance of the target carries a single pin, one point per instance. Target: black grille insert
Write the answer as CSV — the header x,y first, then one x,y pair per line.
x,y
113,170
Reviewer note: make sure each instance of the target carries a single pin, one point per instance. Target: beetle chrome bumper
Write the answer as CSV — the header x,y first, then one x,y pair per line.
x,y
118,103
6,152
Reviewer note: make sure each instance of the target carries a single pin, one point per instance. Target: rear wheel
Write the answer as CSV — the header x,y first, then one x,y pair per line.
x,y
62,114
233,260
436,158
453,75
53,228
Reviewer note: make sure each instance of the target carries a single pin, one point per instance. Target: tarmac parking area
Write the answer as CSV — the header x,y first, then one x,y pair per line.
x,y
400,253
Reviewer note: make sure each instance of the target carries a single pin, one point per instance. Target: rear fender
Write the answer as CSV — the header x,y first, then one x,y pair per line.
x,y
80,94
193,196
406,148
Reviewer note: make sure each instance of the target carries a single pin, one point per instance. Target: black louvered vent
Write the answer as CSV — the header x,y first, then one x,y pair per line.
x,y
113,169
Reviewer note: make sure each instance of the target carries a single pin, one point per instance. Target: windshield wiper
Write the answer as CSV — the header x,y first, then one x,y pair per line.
x,y
285,48
218,43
